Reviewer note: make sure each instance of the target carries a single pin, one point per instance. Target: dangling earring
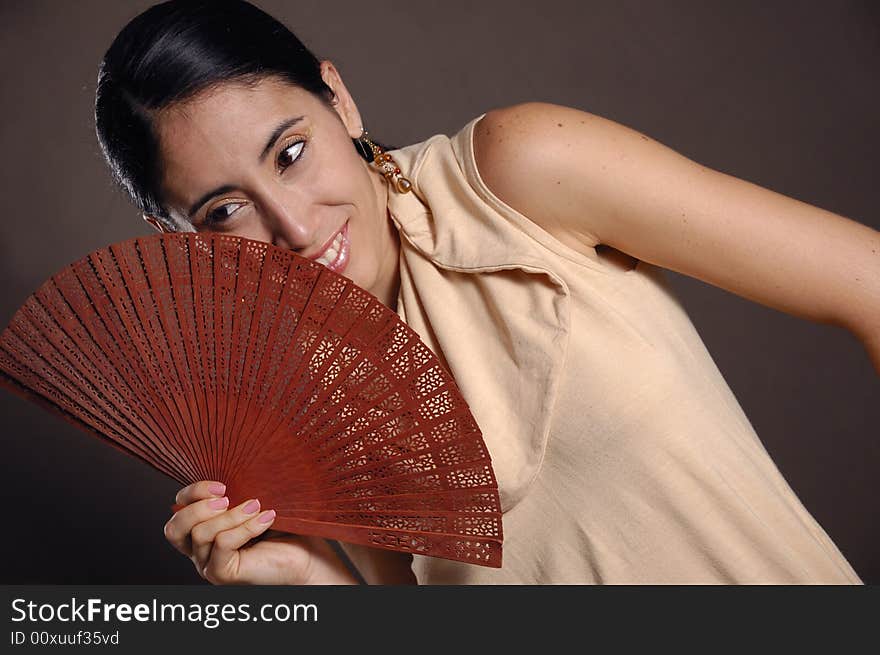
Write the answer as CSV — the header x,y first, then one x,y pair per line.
x,y
384,162
156,223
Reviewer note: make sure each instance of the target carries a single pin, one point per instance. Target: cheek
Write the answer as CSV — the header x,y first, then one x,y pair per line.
x,y
253,229
343,172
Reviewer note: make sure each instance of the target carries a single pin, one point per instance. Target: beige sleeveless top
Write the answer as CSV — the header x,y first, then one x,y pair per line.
x,y
621,454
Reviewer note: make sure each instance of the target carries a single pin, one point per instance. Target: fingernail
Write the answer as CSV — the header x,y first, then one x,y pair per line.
x,y
267,516
252,507
218,503
217,488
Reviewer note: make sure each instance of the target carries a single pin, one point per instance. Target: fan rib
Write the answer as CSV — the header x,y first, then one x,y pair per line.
x,y
216,357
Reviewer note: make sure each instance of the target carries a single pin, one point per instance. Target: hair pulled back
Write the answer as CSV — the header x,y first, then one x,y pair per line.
x,y
171,52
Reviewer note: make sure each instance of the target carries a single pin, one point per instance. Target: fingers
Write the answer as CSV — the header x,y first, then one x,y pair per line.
x,y
196,508
199,491
210,534
204,534
225,558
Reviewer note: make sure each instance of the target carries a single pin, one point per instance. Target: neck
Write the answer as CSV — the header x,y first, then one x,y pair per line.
x,y
393,259
388,280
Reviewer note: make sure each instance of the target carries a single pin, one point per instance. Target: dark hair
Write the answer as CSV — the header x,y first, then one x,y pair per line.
x,y
171,52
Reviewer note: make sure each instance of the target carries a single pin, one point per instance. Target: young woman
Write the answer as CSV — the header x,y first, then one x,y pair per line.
x,y
527,251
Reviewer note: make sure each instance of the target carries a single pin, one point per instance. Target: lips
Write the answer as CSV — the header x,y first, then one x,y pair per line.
x,y
328,243
335,256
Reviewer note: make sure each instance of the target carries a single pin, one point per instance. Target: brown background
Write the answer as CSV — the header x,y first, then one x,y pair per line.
x,y
782,94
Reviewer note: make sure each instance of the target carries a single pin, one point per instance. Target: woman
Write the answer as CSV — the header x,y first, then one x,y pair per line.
x,y
621,454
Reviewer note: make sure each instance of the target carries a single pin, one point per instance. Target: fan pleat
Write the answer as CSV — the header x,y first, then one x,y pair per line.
x,y
217,357
76,378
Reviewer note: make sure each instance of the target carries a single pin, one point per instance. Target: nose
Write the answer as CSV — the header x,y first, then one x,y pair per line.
x,y
289,227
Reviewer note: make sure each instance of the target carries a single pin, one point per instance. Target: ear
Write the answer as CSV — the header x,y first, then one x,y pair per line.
x,y
155,222
343,104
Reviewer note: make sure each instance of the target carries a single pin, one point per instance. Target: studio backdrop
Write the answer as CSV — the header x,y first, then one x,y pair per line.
x,y
783,94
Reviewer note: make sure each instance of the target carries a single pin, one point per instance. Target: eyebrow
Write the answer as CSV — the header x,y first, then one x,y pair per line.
x,y
226,188
277,132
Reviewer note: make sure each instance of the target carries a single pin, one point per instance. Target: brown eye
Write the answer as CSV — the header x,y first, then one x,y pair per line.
x,y
221,213
290,154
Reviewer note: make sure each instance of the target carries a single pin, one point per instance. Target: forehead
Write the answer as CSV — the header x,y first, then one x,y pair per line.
x,y
210,138
233,111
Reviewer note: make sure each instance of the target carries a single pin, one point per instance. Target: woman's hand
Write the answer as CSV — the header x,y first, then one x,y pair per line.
x,y
216,539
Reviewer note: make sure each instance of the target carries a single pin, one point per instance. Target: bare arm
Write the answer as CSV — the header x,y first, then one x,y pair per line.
x,y
379,566
596,181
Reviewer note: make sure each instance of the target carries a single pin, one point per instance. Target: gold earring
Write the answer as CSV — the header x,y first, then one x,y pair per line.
x,y
156,223
386,164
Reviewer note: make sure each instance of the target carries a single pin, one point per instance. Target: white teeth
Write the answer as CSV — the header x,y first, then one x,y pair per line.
x,y
328,256
331,253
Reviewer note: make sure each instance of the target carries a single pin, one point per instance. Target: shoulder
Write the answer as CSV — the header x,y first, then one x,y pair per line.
x,y
581,177
533,118
534,155
521,138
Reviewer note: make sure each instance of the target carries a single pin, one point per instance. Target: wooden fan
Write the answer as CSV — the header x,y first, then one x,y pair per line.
x,y
216,357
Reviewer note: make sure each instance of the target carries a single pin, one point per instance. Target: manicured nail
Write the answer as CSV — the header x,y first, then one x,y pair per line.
x,y
217,488
218,503
266,516
252,507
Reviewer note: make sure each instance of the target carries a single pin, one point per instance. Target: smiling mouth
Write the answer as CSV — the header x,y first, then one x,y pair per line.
x,y
335,256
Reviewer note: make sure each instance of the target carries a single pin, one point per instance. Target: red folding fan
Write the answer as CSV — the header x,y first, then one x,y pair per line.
x,y
213,357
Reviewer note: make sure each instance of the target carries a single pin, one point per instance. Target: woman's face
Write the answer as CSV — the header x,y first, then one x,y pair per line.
x,y
273,162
